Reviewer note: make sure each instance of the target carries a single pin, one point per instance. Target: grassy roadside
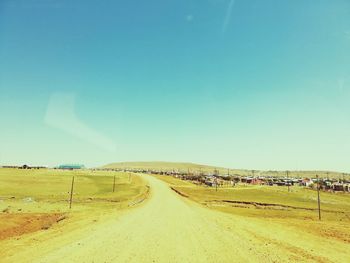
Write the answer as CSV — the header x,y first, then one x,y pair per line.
x,y
33,200
297,208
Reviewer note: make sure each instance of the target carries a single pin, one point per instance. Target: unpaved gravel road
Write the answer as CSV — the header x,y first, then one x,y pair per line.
x,y
170,228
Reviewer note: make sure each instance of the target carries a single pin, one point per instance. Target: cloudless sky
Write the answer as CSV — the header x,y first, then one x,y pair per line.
x,y
242,84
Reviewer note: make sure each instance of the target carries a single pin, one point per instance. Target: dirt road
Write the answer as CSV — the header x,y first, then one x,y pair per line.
x,y
169,228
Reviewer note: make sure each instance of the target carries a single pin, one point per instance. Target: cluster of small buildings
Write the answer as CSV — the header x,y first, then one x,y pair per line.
x,y
25,166
335,185
324,184
214,179
63,167
70,166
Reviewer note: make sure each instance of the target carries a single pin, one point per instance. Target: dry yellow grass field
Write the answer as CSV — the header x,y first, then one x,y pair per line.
x,y
178,222
33,200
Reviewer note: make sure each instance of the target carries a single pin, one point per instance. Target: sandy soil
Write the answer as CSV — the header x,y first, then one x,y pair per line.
x,y
19,224
170,228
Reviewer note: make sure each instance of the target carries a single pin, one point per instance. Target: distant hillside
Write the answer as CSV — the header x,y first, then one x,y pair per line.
x,y
193,167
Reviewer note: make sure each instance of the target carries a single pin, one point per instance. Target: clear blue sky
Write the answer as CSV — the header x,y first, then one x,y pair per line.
x,y
244,84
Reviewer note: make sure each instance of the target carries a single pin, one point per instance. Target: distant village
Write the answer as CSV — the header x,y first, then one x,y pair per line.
x,y
217,179
62,167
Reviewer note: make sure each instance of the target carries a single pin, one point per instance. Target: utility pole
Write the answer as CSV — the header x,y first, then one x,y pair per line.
x,y
318,198
114,184
71,193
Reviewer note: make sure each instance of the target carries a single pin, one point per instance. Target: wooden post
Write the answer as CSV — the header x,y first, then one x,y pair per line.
x,y
216,184
71,193
318,198
114,184
129,177
288,180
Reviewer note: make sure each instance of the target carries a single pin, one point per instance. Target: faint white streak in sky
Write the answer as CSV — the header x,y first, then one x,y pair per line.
x,y
228,16
61,115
